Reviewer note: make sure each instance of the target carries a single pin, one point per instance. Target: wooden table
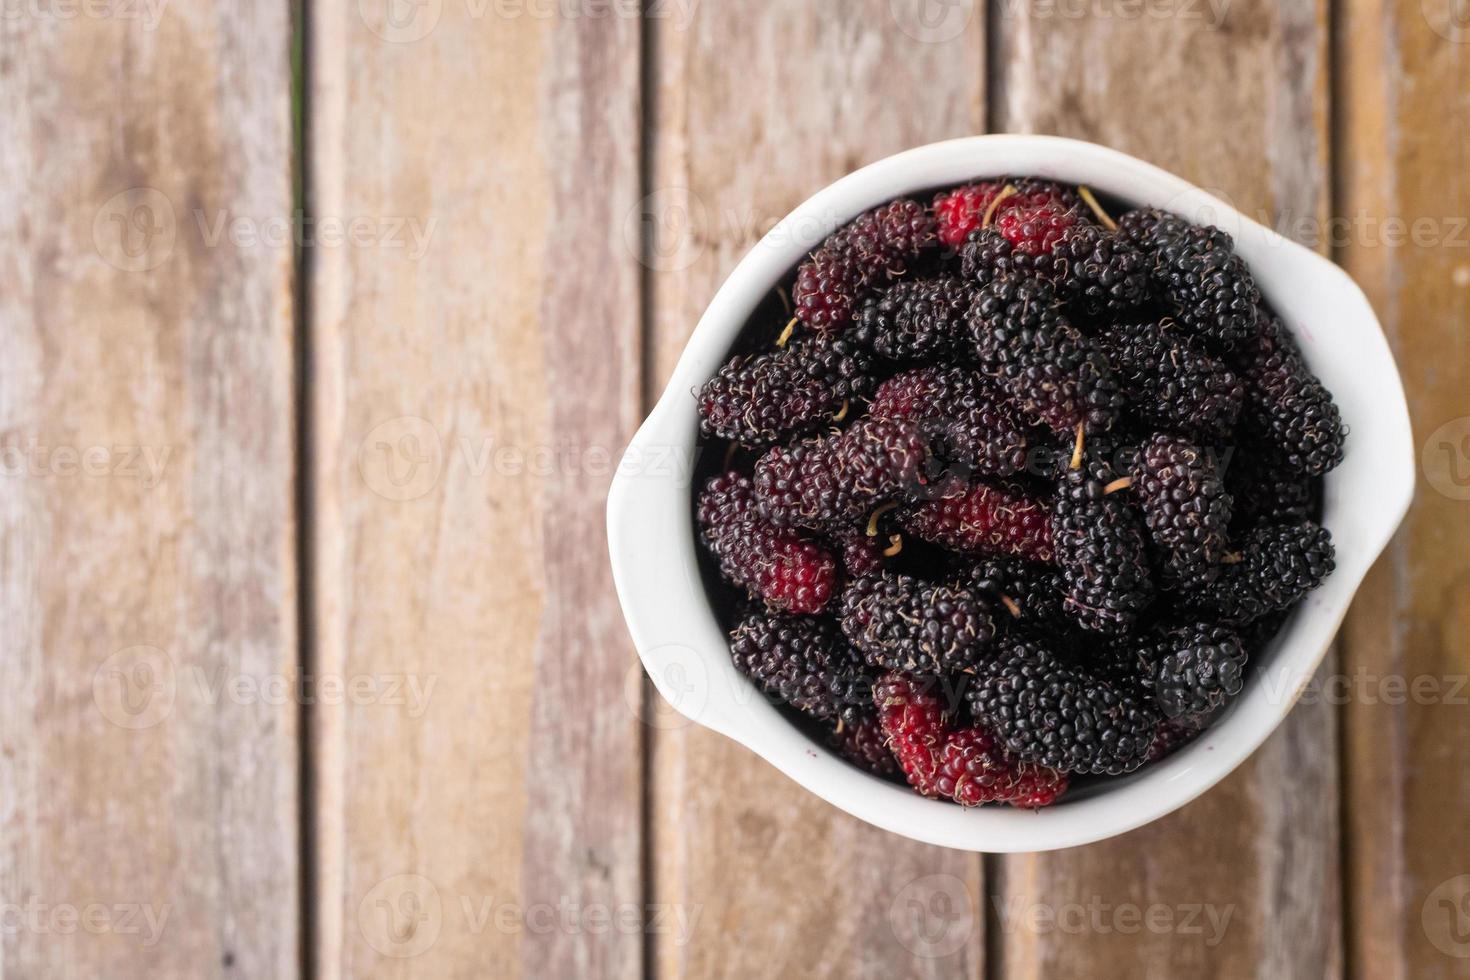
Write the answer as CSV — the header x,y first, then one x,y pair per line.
x,y
313,663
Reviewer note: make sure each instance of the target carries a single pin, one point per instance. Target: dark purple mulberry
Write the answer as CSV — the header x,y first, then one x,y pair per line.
x,y
1194,269
760,399
1185,508
901,623
967,420
1100,548
1048,369
1286,406
1170,381
865,254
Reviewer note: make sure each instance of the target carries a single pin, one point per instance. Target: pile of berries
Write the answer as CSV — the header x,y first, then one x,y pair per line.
x,y
1014,491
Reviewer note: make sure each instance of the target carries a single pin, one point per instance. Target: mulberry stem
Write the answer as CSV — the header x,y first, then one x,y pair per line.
x,y
1008,190
873,519
1086,194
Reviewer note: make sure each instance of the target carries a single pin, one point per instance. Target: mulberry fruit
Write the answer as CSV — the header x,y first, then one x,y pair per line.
x,y
1099,545
863,743
1170,737
830,481
1286,406
985,519
1092,270
803,662
916,320
975,768
1019,491
862,553
1171,382
1265,489
966,419
1185,508
962,211
872,250
1047,368
1196,670
758,400
968,765
787,570
1058,714
1195,270
1036,230
901,623
1029,591
914,726
1278,564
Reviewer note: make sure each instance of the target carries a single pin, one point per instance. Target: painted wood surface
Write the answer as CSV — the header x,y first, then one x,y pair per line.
x,y
1403,205
1244,881
470,392
729,837
148,738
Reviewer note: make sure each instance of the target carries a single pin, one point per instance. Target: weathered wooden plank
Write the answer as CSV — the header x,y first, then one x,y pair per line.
x,y
472,381
758,106
1403,70
1232,96
148,762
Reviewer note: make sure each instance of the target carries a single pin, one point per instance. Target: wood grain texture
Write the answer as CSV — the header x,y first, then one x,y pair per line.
x,y
148,777
1246,879
1403,159
470,839
758,106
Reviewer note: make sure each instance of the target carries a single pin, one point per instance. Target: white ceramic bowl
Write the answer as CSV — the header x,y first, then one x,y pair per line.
x,y
686,653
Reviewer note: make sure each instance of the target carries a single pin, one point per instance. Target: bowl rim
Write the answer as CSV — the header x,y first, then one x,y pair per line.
x,y
652,546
